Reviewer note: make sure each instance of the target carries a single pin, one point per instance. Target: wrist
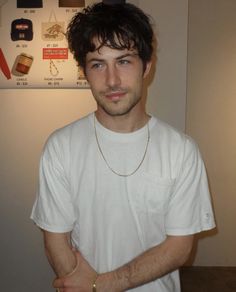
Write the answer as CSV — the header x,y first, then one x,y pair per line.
x,y
74,270
108,282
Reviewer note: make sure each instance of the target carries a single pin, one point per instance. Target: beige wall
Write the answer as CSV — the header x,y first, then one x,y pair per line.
x,y
167,93
27,117
211,118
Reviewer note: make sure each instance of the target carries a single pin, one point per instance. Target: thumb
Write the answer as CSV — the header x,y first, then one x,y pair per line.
x,y
58,283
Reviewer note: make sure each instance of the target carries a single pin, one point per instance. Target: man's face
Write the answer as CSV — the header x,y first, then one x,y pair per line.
x,y
116,79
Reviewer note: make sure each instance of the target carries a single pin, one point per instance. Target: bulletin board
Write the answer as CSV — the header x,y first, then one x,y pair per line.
x,y
33,49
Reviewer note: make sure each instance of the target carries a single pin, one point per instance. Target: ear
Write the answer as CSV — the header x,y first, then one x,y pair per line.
x,y
147,69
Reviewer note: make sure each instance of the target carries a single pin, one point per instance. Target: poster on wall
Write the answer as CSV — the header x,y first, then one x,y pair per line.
x,y
33,49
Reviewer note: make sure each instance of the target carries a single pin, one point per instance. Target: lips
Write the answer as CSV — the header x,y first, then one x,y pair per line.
x,y
115,96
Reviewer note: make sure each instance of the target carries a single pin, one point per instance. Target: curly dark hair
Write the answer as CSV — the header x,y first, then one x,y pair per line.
x,y
118,26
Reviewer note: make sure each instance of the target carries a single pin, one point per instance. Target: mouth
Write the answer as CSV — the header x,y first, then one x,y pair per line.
x,y
115,96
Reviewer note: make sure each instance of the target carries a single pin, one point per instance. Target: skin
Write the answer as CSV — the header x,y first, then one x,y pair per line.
x,y
116,80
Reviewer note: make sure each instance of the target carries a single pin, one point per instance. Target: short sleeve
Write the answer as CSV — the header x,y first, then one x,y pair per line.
x,y
190,210
53,209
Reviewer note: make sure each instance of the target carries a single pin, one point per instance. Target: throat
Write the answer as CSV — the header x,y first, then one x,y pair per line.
x,y
123,124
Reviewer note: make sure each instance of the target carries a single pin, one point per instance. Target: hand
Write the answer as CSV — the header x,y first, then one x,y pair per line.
x,y
80,280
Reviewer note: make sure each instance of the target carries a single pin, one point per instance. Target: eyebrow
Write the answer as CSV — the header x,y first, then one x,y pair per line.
x,y
117,58
127,55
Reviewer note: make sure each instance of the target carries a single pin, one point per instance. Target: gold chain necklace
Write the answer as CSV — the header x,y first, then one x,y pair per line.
x,y
104,158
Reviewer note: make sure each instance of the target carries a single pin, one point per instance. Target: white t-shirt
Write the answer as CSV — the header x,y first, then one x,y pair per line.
x,y
113,219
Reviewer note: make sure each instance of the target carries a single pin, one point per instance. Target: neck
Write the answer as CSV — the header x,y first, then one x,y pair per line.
x,y
123,124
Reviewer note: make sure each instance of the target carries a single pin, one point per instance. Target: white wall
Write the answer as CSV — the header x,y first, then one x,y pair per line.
x,y
211,117
167,93
28,116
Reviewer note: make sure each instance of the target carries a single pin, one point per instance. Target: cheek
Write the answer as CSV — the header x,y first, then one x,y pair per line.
x,y
95,77
134,79
93,80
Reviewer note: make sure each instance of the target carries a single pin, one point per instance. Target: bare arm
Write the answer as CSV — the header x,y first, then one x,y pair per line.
x,y
152,264
149,266
59,252
70,267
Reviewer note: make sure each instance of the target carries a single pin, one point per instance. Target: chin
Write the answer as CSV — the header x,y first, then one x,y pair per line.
x,y
117,112
119,108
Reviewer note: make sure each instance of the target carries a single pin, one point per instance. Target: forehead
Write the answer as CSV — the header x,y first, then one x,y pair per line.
x,y
107,50
107,53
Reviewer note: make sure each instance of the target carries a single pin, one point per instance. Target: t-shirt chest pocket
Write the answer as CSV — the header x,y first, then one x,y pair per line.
x,y
152,194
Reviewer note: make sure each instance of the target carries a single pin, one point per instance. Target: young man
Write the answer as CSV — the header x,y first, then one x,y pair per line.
x,y
121,193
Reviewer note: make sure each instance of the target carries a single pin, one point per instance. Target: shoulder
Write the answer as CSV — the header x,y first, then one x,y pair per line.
x,y
172,139
165,131
72,129
63,138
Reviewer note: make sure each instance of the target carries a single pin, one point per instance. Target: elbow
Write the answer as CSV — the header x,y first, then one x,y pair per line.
x,y
186,250
181,248
47,247
47,250
185,257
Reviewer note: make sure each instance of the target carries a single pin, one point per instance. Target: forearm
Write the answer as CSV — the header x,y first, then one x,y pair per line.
x,y
59,253
152,264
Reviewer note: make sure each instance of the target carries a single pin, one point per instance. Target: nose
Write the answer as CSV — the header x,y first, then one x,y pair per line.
x,y
112,76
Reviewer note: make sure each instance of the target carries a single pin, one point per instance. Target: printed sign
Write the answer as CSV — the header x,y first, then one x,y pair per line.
x,y
33,48
55,53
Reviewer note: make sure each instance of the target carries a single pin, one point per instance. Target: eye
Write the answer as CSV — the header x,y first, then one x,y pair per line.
x,y
124,62
97,65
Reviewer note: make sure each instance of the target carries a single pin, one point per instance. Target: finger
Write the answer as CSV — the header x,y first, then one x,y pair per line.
x,y
58,283
78,255
73,249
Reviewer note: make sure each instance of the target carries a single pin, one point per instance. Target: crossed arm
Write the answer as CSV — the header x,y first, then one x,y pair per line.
x,y
152,264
